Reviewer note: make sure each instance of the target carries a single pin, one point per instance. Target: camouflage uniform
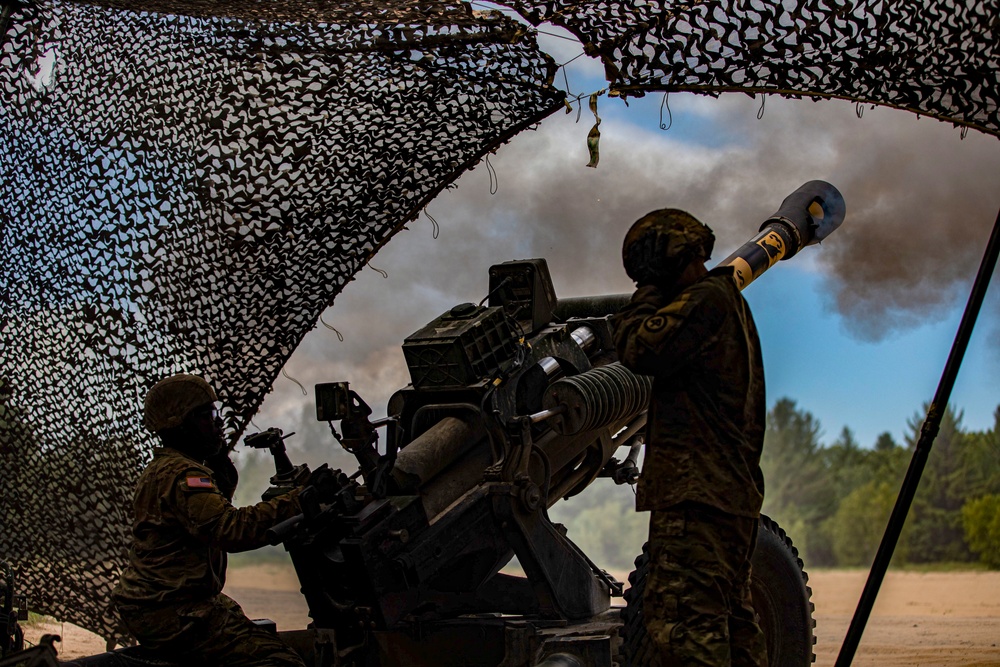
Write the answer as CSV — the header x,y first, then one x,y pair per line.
x,y
701,477
170,594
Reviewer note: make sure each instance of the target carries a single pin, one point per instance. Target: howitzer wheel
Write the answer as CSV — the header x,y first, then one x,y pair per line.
x,y
781,599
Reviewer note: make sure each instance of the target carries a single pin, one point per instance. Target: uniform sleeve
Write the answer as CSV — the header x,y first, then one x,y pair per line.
x,y
657,336
209,516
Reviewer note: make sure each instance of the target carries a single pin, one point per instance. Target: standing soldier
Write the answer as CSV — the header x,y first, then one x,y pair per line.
x,y
691,330
170,594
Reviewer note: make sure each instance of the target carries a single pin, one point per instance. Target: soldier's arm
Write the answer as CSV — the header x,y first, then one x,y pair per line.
x,y
657,336
209,516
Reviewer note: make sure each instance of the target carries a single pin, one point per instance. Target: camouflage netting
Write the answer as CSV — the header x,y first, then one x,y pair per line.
x,y
190,192
938,58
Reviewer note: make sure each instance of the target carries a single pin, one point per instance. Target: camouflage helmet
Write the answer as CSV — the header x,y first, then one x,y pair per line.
x,y
171,399
661,243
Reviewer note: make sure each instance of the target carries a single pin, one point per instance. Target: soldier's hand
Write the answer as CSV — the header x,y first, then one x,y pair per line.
x,y
327,483
321,477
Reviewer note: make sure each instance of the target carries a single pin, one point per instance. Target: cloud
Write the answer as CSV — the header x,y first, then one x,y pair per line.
x,y
920,205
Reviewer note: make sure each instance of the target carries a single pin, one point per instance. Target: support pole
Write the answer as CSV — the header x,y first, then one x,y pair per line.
x,y
928,432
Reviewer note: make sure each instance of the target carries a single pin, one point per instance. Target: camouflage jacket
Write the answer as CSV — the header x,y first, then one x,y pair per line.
x,y
705,429
184,525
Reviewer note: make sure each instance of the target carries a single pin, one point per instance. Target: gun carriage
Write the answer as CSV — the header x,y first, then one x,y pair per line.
x,y
514,405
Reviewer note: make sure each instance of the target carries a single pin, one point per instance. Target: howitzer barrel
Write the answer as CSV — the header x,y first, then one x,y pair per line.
x,y
805,217
590,306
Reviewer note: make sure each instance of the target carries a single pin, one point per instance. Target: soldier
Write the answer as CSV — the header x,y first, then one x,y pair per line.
x,y
170,594
691,330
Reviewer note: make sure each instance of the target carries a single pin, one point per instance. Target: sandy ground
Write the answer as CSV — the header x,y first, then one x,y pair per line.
x,y
932,619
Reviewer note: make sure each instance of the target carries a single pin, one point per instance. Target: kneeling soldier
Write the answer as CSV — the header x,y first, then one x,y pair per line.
x,y
170,594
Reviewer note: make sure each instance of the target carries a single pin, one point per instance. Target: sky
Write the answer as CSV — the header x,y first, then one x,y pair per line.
x,y
856,330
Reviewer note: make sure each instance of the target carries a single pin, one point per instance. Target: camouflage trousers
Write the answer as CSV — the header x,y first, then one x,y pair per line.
x,y
214,631
697,604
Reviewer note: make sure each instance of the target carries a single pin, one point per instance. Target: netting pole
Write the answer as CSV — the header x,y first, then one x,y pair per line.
x,y
928,431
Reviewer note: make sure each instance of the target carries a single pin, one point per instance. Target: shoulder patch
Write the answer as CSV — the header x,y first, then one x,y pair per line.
x,y
655,323
194,482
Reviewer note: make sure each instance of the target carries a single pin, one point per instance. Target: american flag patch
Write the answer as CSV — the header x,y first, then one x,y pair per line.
x,y
200,483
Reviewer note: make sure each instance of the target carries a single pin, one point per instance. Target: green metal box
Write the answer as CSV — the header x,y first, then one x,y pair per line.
x,y
464,346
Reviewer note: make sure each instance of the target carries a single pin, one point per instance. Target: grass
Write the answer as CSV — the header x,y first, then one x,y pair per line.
x,y
34,619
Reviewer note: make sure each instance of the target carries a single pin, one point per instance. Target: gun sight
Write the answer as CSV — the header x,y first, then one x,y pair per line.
x,y
267,439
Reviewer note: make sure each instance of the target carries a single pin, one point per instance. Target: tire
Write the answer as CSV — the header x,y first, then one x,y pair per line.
x,y
636,648
781,598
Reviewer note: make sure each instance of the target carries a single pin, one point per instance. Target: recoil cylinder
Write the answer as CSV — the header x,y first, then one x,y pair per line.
x,y
596,398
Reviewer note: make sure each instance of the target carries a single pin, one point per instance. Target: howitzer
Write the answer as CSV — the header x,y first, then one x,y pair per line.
x,y
514,404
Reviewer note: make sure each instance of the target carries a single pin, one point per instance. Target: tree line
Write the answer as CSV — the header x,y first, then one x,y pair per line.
x,y
836,499
833,499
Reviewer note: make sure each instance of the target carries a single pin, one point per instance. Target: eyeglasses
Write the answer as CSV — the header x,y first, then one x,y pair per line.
x,y
209,411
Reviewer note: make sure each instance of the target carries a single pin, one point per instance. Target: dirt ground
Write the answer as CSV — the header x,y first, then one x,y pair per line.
x,y
936,619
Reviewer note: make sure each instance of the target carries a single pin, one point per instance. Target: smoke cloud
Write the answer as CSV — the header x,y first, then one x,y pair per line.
x,y
920,205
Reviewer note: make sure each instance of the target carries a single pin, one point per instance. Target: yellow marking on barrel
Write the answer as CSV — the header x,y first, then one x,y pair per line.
x,y
743,275
772,244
